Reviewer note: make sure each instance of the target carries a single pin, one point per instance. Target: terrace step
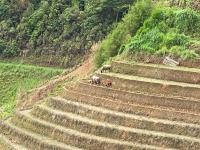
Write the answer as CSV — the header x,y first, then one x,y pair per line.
x,y
178,103
7,144
113,117
72,137
113,104
142,84
147,107
116,131
31,140
156,71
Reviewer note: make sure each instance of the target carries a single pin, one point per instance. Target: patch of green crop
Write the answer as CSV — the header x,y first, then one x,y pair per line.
x,y
15,78
169,31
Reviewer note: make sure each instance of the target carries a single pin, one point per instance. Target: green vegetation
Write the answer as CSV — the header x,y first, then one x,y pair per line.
x,y
64,28
62,31
16,78
169,31
124,30
156,30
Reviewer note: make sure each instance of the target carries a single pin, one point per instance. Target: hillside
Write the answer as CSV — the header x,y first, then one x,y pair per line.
x,y
60,33
60,30
116,92
15,78
166,28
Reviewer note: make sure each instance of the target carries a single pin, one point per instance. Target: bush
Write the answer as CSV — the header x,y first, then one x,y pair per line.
x,y
187,21
173,39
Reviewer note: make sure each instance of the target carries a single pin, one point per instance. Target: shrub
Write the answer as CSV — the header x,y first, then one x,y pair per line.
x,y
173,39
187,21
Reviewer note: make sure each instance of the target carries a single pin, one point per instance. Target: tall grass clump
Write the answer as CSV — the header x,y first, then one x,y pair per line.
x,y
15,78
124,30
169,31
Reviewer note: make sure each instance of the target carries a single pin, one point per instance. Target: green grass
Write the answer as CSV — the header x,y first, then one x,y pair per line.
x,y
16,78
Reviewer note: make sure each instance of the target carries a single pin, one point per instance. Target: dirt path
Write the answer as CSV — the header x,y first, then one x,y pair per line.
x,y
87,67
29,99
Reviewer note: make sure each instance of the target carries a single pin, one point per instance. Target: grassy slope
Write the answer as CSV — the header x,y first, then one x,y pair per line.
x,y
164,31
15,78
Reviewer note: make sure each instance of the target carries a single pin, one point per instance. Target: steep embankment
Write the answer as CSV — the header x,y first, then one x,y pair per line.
x,y
16,78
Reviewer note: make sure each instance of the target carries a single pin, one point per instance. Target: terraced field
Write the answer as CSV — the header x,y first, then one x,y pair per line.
x,y
147,107
18,78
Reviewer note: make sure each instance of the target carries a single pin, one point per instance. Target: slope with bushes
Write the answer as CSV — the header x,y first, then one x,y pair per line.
x,y
154,29
169,31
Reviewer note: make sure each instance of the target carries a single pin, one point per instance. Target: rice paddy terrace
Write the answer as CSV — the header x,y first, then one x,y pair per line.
x,y
147,107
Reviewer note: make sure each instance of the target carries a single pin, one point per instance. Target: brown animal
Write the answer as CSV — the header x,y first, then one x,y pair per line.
x,y
108,83
106,68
